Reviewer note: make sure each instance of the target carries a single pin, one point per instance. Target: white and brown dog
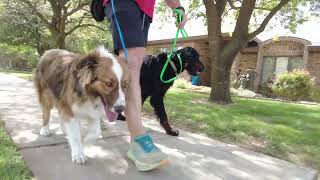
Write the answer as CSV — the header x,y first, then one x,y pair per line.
x,y
90,86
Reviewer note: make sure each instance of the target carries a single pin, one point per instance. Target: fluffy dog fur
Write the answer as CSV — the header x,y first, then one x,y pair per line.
x,y
152,86
81,87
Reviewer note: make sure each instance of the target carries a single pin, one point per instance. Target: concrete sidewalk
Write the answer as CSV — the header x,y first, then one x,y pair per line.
x,y
192,157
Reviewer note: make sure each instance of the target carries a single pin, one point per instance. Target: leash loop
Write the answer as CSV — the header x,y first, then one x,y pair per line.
x,y
183,32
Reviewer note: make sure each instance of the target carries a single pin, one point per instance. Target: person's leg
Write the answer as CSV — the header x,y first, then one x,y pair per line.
x,y
133,97
134,27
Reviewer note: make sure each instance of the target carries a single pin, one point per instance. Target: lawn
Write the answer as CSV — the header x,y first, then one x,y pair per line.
x,y
283,130
22,74
12,166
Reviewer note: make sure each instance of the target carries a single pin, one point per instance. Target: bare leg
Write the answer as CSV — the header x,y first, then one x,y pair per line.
x,y
133,98
142,151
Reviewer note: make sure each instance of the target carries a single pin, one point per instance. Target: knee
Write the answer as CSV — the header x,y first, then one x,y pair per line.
x,y
136,56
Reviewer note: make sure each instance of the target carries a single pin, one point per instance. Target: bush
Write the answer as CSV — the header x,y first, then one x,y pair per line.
x,y
235,84
266,90
182,84
18,57
315,95
295,85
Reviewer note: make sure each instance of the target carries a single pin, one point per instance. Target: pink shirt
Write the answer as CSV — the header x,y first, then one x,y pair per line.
x,y
147,6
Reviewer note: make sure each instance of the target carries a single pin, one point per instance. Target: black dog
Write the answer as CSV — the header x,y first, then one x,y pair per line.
x,y
151,85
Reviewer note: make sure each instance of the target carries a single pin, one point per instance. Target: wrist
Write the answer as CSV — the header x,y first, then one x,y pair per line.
x,y
173,4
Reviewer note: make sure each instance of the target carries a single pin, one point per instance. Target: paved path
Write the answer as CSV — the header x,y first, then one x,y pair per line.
x,y
192,157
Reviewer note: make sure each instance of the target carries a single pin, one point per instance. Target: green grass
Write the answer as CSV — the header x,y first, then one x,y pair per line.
x,y
21,74
12,166
283,130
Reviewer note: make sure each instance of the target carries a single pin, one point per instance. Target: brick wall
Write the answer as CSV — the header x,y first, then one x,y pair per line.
x,y
247,61
202,48
314,65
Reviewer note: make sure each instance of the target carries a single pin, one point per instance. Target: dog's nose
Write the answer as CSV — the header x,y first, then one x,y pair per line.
x,y
119,109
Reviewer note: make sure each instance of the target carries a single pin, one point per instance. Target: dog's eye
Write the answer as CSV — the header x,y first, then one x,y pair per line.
x,y
109,84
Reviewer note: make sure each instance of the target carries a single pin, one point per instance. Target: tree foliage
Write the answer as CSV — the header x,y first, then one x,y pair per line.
x,y
45,24
315,7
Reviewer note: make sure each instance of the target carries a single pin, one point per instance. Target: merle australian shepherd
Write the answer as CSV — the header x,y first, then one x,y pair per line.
x,y
152,86
91,86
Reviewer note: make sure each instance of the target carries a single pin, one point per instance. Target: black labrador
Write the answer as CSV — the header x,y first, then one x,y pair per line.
x,y
151,85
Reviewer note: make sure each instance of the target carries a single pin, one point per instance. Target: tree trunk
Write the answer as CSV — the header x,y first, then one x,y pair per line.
x,y
42,47
220,73
60,42
220,79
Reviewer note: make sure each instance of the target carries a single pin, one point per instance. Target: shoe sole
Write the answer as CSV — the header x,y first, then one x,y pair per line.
x,y
144,166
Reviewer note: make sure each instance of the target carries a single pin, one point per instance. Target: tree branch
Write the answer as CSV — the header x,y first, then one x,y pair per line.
x,y
221,5
230,2
267,19
263,8
84,25
28,3
80,6
233,6
243,19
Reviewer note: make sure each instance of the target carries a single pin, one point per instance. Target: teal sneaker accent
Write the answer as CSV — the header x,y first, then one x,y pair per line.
x,y
146,143
145,154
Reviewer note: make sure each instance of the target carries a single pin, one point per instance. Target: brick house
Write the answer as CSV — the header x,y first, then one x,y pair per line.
x,y
273,56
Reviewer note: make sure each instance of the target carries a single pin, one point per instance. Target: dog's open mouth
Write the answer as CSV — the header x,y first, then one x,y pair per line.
x,y
111,116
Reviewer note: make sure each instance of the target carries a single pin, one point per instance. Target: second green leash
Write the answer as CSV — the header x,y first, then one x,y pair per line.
x,y
174,46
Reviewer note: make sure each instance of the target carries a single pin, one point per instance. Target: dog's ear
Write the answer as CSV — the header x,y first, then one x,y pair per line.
x,y
162,56
89,61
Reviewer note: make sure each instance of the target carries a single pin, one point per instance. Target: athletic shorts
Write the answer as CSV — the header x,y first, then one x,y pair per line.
x,y
133,22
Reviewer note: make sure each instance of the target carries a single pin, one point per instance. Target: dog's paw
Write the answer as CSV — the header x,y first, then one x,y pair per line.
x,y
173,132
44,131
79,158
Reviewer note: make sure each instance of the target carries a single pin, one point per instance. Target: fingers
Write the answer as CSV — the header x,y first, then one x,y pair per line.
x,y
183,22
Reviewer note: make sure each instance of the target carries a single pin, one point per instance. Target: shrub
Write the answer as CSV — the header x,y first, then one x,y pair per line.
x,y
182,84
266,90
315,95
235,84
295,85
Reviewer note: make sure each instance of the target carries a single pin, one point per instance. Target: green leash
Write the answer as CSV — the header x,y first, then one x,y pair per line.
x,y
184,35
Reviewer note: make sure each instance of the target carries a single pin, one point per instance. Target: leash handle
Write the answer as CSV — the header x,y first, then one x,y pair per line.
x,y
120,32
184,35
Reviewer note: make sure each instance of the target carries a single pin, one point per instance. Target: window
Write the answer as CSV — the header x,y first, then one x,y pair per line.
x,y
279,65
268,67
295,63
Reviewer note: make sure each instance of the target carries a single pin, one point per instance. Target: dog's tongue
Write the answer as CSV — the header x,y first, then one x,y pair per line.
x,y
111,116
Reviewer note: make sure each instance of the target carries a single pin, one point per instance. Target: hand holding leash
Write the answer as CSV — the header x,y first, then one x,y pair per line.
x,y
181,15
